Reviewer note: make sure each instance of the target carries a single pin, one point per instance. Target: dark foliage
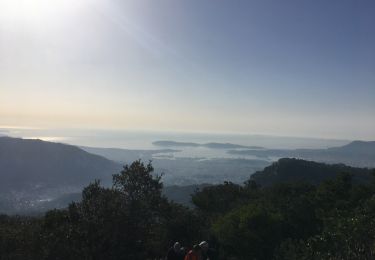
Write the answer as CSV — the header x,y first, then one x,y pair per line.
x,y
133,220
293,170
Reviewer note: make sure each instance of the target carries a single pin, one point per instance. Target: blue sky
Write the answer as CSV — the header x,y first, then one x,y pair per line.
x,y
296,68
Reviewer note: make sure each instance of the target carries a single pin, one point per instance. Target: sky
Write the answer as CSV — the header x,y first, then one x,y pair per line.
x,y
295,68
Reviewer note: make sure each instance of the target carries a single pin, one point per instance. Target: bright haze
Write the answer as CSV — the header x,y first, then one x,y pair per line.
x,y
297,68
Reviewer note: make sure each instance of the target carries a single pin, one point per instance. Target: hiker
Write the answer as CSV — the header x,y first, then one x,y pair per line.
x,y
183,252
175,252
194,254
207,253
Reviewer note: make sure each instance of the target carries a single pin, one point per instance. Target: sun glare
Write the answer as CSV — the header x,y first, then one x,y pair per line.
x,y
29,10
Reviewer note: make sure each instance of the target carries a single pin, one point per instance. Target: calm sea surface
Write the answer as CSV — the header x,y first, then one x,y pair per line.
x,y
144,139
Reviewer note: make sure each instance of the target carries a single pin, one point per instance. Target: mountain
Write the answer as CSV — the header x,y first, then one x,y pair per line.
x,y
359,147
33,172
37,175
25,162
356,154
297,170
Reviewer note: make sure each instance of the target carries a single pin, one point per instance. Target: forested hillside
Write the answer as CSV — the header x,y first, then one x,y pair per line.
x,y
295,170
133,220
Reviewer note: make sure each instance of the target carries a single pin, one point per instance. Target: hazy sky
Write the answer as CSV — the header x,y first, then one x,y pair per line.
x,y
297,68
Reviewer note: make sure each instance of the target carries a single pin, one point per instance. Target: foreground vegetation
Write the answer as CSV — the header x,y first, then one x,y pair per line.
x,y
132,220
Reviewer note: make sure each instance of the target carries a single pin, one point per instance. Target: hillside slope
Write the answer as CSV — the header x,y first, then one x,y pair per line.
x,y
25,162
297,170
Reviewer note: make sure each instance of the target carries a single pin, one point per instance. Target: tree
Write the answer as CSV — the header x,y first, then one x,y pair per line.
x,y
110,223
218,199
249,232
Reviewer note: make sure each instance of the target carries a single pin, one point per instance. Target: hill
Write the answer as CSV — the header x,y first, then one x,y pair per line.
x,y
25,162
296,170
359,147
34,171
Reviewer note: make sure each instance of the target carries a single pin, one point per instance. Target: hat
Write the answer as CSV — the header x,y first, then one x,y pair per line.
x,y
177,246
203,244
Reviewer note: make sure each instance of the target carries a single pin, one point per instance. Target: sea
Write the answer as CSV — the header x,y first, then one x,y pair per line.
x,y
143,140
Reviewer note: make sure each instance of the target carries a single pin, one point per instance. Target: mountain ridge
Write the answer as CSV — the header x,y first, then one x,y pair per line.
x,y
25,160
288,170
356,154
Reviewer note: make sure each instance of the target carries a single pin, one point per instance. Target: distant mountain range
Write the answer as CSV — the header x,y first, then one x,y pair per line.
x,y
358,147
38,175
356,153
207,145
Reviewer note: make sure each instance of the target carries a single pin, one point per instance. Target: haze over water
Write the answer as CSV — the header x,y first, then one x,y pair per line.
x,y
144,139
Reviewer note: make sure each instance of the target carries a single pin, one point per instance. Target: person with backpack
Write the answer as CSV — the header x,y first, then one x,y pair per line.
x,y
194,254
207,252
175,252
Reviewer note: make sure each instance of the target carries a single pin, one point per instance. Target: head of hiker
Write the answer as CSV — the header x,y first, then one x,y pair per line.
x,y
203,245
177,247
